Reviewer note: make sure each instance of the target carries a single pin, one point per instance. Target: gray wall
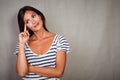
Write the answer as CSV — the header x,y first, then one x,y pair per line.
x,y
92,28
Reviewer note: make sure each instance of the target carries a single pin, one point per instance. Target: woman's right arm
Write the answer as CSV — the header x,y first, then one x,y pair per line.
x,y
22,65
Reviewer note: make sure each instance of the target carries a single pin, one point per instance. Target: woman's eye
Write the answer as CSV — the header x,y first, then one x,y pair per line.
x,y
33,16
27,22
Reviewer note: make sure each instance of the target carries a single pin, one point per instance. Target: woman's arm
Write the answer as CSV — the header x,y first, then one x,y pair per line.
x,y
56,71
21,66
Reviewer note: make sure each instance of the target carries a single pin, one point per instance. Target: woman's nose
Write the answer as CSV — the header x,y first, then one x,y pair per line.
x,y
33,21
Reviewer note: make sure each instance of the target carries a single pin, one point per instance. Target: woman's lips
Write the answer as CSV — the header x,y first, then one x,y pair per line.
x,y
36,24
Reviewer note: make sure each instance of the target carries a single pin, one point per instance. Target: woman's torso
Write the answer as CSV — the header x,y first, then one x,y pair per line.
x,y
47,58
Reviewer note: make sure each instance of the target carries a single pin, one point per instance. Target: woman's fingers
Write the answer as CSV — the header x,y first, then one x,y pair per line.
x,y
24,34
25,28
27,33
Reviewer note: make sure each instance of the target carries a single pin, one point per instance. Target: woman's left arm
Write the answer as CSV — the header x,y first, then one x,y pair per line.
x,y
56,71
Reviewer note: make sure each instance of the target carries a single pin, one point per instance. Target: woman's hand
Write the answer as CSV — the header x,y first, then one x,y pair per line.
x,y
21,67
24,36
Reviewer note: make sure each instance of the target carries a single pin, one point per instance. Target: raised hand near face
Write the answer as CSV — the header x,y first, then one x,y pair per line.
x,y
24,36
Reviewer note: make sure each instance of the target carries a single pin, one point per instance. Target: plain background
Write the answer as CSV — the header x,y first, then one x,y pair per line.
x,y
92,27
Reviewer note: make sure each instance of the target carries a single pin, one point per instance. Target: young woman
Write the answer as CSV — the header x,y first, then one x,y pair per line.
x,y
41,55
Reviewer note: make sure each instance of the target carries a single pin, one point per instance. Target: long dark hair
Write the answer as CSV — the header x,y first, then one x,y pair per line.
x,y
21,16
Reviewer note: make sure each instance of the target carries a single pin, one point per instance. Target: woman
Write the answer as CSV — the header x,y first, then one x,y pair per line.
x,y
41,55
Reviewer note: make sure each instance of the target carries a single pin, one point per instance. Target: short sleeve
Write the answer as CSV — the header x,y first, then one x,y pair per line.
x,y
16,49
63,44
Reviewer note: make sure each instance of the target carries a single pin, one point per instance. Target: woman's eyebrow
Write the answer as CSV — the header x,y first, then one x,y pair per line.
x,y
33,14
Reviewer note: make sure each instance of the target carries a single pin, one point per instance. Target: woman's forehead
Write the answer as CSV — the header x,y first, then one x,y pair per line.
x,y
28,14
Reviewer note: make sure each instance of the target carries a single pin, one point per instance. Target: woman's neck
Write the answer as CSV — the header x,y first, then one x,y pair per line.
x,y
40,34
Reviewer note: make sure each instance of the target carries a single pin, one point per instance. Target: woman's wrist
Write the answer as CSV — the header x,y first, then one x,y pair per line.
x,y
21,44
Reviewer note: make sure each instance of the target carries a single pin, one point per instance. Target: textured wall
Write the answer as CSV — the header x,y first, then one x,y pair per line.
x,y
92,28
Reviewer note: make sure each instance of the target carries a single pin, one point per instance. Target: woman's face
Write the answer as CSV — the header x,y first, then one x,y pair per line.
x,y
32,20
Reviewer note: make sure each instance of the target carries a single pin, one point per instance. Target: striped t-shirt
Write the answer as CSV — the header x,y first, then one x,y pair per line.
x,y
46,60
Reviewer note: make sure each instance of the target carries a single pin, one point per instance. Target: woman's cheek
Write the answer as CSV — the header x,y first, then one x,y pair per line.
x,y
29,25
30,28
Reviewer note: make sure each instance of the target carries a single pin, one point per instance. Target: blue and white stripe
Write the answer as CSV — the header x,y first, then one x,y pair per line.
x,y
46,60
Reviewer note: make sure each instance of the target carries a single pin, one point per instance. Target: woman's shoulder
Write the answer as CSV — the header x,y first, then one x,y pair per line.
x,y
60,35
60,38
62,43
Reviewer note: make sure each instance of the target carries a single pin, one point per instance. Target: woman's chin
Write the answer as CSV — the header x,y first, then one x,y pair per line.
x,y
36,29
